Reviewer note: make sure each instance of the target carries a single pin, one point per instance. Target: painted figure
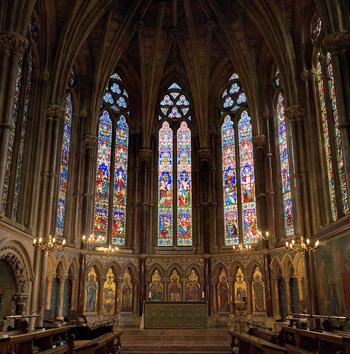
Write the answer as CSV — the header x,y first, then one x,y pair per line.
x,y
174,287
223,292
126,292
156,287
109,294
91,294
258,291
193,287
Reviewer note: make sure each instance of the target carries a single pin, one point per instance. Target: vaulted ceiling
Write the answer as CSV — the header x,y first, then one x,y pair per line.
x,y
152,42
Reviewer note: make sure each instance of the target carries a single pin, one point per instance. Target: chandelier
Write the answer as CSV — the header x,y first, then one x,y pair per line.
x,y
302,246
93,240
50,245
262,236
242,249
109,250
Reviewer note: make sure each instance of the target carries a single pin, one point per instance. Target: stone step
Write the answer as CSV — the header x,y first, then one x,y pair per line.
x,y
175,338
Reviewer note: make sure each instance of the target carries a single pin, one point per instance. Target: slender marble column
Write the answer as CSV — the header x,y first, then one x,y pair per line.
x,y
48,292
61,299
249,295
101,281
12,46
73,292
276,302
289,302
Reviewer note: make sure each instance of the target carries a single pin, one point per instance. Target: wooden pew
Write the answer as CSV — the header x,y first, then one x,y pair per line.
x,y
253,345
43,340
101,345
301,341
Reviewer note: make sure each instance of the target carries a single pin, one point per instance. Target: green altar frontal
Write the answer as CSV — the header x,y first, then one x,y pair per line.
x,y
161,314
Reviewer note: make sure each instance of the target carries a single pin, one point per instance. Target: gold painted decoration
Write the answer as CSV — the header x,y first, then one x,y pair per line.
x,y
126,290
109,294
156,287
223,292
240,287
91,292
193,288
258,291
175,289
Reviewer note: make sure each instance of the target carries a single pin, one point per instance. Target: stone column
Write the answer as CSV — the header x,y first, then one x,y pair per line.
x,y
198,212
207,278
289,302
267,279
73,292
183,281
101,281
249,295
276,302
60,304
208,241
145,156
142,295
48,291
214,307
214,204
232,294
78,193
86,227
12,46
300,292
338,44
166,284
21,303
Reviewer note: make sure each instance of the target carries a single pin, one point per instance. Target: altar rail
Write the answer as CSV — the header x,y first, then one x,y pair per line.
x,y
162,314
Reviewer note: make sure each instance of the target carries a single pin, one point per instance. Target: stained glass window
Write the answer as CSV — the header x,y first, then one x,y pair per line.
x,y
247,178
238,167
174,106
111,184
285,172
229,182
103,176
337,138
184,186
120,182
62,192
330,128
165,188
327,146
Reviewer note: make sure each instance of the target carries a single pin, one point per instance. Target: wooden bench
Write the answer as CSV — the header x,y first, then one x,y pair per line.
x,y
104,344
250,344
43,340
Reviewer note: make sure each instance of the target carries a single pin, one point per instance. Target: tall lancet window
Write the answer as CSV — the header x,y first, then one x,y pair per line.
x,y
62,192
333,151
20,111
285,164
238,166
174,164
112,165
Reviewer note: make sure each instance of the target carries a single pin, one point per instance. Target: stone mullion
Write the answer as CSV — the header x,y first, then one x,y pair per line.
x,y
338,44
90,142
75,237
214,204
12,46
111,187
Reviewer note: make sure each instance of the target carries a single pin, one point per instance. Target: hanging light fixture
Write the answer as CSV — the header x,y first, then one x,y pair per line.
x,y
302,246
50,245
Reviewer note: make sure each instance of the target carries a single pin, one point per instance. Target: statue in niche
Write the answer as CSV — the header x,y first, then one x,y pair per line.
x,y
126,290
156,287
91,289
223,292
240,293
258,291
109,294
174,290
193,287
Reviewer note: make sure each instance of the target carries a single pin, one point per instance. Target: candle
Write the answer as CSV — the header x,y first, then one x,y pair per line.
x,y
203,294
149,294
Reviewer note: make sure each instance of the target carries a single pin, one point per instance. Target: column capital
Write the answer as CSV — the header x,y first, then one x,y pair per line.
x,y
204,154
41,75
267,113
145,154
139,26
90,141
20,298
296,112
80,114
210,24
337,42
13,42
308,74
259,141
174,32
54,112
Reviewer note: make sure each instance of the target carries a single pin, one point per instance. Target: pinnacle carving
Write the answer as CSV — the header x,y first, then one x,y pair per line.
x,y
295,112
90,141
204,154
145,154
139,26
337,42
13,42
308,74
53,111
210,24
174,32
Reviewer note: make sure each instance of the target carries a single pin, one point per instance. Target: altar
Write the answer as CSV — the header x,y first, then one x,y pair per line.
x,y
165,314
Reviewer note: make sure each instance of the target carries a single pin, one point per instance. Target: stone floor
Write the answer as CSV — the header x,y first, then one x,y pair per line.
x,y
175,341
